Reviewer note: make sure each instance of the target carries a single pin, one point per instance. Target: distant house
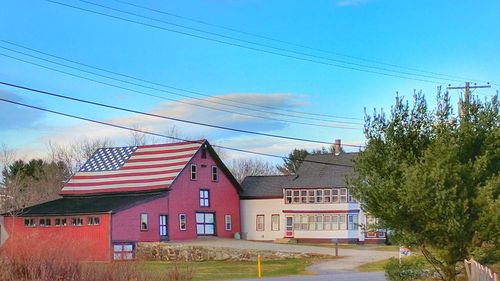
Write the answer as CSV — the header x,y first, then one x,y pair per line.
x,y
125,195
312,205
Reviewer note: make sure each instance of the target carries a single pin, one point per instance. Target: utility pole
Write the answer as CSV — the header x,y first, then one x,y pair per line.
x,y
466,89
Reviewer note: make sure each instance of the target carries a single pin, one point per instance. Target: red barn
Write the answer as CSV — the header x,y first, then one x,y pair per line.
x,y
125,195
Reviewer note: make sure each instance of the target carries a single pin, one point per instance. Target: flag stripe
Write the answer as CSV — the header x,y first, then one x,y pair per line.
x,y
130,173
130,183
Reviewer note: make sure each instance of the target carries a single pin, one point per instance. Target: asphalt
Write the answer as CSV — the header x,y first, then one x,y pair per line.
x,y
339,276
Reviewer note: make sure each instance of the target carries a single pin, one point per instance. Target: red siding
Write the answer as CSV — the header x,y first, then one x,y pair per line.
x,y
184,198
89,242
126,224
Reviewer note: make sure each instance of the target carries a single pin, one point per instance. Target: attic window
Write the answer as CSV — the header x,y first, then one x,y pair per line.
x,y
215,176
193,171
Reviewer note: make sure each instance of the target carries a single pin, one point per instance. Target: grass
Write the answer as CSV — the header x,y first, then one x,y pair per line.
x,y
223,270
379,265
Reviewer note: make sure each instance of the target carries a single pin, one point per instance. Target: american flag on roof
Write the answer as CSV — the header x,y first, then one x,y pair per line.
x,y
132,168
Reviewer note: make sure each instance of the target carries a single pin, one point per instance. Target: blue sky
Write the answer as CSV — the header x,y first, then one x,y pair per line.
x,y
452,37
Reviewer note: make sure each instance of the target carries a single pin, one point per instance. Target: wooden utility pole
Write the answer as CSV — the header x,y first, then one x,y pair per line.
x,y
466,89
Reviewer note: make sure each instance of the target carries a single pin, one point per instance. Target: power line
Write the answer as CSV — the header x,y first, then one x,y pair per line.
x,y
165,98
288,42
247,47
166,86
261,44
163,116
161,135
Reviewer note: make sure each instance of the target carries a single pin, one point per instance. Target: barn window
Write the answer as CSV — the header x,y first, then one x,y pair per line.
x,y
76,221
193,171
29,222
144,222
93,220
228,222
204,198
44,222
182,222
60,222
215,176
123,251
260,223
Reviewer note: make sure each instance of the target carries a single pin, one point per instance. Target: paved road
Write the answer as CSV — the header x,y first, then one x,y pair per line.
x,y
351,258
341,276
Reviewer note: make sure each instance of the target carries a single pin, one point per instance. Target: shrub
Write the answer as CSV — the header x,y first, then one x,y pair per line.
x,y
409,269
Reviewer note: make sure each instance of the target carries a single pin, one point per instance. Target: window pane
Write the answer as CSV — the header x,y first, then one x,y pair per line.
x,y
200,228
200,218
209,218
209,229
128,248
118,248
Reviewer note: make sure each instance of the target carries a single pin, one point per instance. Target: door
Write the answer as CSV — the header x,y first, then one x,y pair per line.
x,y
205,224
289,227
163,227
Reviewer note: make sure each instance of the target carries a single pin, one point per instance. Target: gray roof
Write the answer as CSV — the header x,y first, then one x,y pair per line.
x,y
310,175
264,186
316,175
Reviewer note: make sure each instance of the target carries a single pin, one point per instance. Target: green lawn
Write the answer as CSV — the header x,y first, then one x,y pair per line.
x,y
219,270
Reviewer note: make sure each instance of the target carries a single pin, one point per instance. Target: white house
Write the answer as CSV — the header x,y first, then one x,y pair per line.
x,y
312,205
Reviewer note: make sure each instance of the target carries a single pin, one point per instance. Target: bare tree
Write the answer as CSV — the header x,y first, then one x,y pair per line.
x,y
241,168
74,155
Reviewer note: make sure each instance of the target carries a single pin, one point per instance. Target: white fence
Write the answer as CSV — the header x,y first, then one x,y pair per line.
x,y
478,272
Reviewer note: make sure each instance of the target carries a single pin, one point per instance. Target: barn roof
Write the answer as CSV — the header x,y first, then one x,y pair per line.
x,y
132,168
90,204
255,187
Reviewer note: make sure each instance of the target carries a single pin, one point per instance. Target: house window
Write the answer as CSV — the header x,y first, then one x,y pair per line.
x,y
93,220
303,196
260,223
60,222
350,198
182,222
204,198
343,195
319,222
328,195
76,221
342,225
352,222
303,223
144,222
310,194
328,222
123,251
29,222
296,196
275,222
163,225
311,222
335,195
215,176
205,223
193,171
44,222
319,196
228,222
288,196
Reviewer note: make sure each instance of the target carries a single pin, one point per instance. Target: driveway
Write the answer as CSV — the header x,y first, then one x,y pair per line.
x,y
341,276
351,258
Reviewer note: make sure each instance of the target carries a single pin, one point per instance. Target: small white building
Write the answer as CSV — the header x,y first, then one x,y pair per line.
x,y
312,205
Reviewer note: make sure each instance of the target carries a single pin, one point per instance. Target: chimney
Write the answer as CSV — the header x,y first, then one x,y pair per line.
x,y
337,146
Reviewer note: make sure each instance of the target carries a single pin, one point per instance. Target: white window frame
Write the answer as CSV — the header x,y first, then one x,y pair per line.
x,y
182,221
275,222
204,200
260,222
228,223
343,197
215,173
144,222
193,172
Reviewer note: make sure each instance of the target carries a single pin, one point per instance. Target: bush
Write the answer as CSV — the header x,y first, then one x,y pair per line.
x,y
409,269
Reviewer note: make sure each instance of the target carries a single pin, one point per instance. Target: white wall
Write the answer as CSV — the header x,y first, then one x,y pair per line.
x,y
251,208
267,207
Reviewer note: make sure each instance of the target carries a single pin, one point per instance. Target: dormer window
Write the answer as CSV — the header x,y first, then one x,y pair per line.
x,y
193,172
